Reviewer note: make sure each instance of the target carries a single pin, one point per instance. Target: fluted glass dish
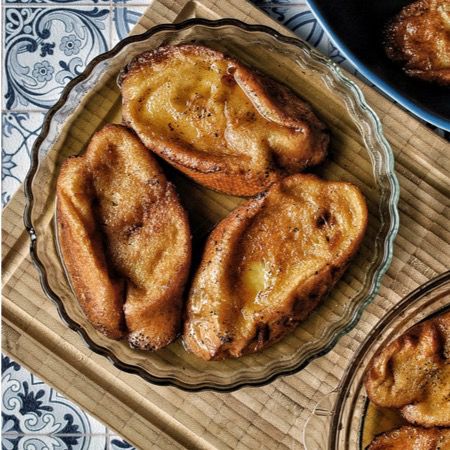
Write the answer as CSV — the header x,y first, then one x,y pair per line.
x,y
339,420
359,154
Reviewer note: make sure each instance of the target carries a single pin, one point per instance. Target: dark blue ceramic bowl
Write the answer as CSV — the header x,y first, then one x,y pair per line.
x,y
356,28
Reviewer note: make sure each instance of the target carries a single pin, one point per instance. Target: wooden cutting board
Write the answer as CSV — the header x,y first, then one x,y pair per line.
x,y
270,417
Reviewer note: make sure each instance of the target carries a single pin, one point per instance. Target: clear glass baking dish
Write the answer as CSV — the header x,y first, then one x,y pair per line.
x,y
338,421
359,153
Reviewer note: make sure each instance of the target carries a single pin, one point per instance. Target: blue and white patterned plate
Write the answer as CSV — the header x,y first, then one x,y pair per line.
x,y
357,31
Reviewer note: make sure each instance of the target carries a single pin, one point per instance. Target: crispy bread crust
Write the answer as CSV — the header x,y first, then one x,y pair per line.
x,y
418,38
303,144
80,240
412,438
124,238
234,255
412,373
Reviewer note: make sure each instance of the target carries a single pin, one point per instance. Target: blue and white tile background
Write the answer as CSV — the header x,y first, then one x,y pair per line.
x,y
46,43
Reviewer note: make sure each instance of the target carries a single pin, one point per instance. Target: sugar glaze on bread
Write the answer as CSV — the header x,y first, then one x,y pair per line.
x,y
270,262
224,125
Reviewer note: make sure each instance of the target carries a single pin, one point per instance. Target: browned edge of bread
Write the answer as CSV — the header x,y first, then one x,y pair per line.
x,y
278,323
274,101
99,283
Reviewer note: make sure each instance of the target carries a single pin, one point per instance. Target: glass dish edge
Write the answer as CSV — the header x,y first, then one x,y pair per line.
x,y
167,381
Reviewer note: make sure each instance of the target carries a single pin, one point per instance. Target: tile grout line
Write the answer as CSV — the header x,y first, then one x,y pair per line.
x,y
126,5
52,5
107,436
3,68
110,23
12,434
22,111
110,4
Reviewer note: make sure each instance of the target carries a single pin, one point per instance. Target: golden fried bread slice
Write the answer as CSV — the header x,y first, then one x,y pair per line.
x,y
124,238
269,263
433,408
419,39
224,125
412,438
413,373
81,244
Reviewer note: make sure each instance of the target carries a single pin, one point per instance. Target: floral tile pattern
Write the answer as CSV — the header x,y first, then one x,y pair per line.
x,y
20,129
54,2
124,19
47,43
35,416
301,21
132,2
47,47
117,443
53,442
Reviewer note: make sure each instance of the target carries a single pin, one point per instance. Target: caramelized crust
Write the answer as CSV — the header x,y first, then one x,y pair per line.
x,y
419,39
412,438
413,373
211,117
124,238
269,263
